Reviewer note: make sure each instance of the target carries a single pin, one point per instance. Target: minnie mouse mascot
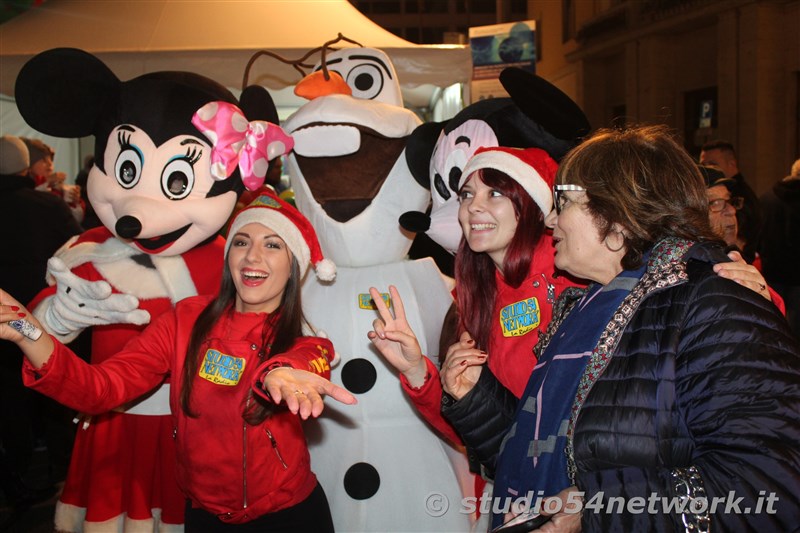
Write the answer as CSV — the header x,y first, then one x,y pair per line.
x,y
160,187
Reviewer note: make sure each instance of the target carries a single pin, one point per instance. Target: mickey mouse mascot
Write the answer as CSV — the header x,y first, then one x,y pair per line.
x,y
159,187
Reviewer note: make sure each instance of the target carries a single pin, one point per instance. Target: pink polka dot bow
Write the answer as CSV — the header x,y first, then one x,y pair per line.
x,y
235,141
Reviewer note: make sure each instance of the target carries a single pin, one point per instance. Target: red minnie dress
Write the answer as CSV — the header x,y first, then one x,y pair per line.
x,y
122,473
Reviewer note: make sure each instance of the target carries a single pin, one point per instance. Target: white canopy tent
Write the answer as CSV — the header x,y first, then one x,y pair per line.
x,y
216,38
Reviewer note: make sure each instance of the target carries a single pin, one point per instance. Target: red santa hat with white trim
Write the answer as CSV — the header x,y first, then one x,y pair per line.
x,y
532,168
291,226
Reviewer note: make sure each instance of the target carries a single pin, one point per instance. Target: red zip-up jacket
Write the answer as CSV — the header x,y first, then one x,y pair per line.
x,y
236,471
520,313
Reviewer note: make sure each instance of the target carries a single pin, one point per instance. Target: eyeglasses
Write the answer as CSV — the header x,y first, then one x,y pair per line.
x,y
559,200
719,205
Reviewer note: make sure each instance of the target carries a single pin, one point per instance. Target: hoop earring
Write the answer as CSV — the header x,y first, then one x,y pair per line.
x,y
620,247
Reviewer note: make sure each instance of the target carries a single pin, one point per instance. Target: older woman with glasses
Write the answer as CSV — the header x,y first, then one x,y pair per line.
x,y
665,397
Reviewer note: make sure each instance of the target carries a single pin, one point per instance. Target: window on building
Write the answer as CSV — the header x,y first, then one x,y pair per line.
x,y
435,6
482,6
412,6
432,35
519,7
699,118
385,6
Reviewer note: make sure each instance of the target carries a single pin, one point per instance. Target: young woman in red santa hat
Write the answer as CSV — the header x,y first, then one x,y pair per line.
x,y
506,284
244,376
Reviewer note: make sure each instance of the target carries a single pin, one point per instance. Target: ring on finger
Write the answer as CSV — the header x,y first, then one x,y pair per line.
x,y
298,392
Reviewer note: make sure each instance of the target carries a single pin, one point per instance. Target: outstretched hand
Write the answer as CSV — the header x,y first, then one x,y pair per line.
x,y
394,338
302,391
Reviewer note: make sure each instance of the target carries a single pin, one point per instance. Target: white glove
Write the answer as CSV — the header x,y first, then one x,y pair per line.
x,y
79,303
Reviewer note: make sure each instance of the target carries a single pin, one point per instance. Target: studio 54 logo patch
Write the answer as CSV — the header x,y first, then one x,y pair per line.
x,y
520,317
222,369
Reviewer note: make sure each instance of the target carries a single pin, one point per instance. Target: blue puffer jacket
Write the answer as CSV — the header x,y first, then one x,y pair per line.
x,y
707,375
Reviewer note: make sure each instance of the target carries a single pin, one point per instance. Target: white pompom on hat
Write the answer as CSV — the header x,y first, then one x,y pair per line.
x,y
532,168
291,226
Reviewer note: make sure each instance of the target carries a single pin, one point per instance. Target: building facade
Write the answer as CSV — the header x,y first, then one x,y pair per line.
x,y
711,69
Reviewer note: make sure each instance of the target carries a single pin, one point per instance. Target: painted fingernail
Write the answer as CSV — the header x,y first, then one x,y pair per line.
x,y
21,315
14,308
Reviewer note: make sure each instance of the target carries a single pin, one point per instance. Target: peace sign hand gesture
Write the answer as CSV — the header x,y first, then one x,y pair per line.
x,y
395,340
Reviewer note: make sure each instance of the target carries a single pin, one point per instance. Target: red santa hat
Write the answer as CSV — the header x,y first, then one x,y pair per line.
x,y
532,168
291,226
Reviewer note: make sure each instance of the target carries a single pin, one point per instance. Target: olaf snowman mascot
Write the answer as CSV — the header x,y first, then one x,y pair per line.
x,y
382,468
159,187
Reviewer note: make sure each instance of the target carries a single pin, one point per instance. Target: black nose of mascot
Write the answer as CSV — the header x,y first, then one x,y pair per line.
x,y
128,227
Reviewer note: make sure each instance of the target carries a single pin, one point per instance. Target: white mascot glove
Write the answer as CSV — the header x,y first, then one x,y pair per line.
x,y
79,303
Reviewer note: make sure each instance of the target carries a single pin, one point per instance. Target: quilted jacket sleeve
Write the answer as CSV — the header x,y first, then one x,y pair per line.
x,y
736,374
482,418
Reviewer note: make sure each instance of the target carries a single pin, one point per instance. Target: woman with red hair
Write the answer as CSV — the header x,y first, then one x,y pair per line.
x,y
506,286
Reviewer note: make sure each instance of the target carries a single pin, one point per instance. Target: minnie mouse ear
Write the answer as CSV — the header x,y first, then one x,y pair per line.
x,y
545,104
62,91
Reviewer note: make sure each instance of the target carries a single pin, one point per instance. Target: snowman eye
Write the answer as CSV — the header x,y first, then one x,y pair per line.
x,y
366,81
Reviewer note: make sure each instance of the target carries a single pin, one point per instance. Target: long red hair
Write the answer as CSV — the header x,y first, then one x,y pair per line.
x,y
475,272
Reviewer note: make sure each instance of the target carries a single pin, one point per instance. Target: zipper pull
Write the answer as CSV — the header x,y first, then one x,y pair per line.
x,y
275,447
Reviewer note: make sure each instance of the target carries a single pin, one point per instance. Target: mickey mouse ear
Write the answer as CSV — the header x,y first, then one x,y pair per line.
x,y
545,103
62,92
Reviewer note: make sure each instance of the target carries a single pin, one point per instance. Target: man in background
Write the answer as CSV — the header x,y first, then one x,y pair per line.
x,y
780,242
721,154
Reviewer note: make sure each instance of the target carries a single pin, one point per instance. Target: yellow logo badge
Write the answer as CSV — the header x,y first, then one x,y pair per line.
x,y
365,301
222,369
521,317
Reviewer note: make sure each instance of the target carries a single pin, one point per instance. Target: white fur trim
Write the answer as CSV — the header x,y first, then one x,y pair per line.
x,y
112,258
281,225
176,276
72,519
520,171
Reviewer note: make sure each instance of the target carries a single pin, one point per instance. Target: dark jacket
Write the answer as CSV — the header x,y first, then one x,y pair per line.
x,y
750,217
37,224
780,241
704,374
